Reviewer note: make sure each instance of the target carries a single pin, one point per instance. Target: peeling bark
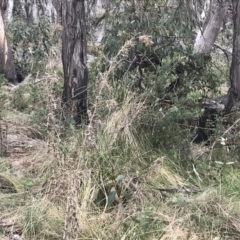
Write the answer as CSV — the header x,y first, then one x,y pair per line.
x,y
6,60
234,91
74,59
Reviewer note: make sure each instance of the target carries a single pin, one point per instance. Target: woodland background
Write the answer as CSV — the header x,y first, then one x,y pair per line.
x,y
153,152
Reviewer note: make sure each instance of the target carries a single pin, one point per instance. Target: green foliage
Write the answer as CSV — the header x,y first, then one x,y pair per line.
x,y
27,96
134,179
147,225
22,98
111,198
38,119
230,181
160,57
3,80
31,44
32,100
3,94
27,183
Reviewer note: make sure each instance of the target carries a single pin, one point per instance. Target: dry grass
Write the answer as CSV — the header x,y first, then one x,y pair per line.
x,y
59,186
119,123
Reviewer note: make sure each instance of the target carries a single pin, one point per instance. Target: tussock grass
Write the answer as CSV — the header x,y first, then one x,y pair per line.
x,y
42,219
119,123
107,180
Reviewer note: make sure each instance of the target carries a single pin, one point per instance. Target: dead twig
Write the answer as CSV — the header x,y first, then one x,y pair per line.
x,y
235,123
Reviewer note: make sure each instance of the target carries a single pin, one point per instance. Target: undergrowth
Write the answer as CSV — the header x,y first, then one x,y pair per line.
x,y
132,173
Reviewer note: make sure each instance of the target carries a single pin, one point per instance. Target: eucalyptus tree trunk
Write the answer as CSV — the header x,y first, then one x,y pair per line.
x,y
7,66
234,91
32,10
9,11
74,59
206,37
225,103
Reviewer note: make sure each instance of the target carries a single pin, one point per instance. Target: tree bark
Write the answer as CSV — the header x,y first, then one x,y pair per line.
x,y
74,59
7,66
206,38
232,99
234,91
9,11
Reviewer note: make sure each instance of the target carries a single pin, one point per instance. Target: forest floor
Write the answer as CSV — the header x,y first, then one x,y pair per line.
x,y
106,180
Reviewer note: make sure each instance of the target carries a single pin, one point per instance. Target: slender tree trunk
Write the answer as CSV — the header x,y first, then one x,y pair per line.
x,y
9,11
233,96
7,66
206,38
74,59
32,10
234,91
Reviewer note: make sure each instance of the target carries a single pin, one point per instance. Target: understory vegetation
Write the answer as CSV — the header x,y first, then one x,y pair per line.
x,y
133,172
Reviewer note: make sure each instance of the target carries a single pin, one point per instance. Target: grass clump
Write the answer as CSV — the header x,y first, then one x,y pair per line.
x,y
42,220
131,173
